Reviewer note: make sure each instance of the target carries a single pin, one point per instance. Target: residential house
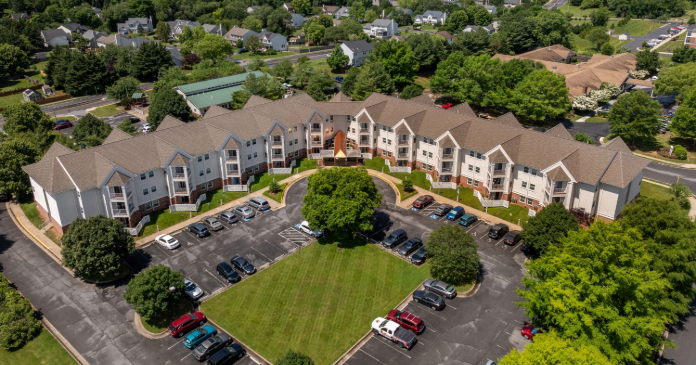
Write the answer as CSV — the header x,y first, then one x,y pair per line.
x,y
200,96
357,51
177,27
329,9
17,16
430,17
404,10
237,33
490,29
31,95
55,37
288,7
394,3
135,26
214,29
74,28
624,37
336,22
176,56
343,12
297,21
129,177
252,8
445,34
690,39
491,9
46,90
92,36
381,28
274,40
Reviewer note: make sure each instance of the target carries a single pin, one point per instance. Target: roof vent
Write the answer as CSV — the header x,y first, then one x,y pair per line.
x,y
611,57
554,67
578,65
549,48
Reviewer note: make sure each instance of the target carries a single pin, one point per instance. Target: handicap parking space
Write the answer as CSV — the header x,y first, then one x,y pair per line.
x,y
295,236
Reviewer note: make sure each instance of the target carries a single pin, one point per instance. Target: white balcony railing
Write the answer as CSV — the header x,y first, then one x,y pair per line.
x,y
178,175
367,156
447,156
119,211
499,172
315,130
395,169
116,195
231,158
277,156
491,203
497,186
559,190
446,169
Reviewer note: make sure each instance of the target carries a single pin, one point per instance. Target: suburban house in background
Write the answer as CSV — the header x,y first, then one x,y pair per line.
x,y
357,51
274,40
381,28
129,177
472,28
297,20
690,39
17,16
176,27
491,9
343,12
46,90
200,96
288,7
329,9
446,35
125,41
55,37
252,8
237,33
74,28
31,95
431,17
135,25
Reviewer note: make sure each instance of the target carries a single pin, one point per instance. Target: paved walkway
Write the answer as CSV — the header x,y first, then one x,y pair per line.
x,y
36,234
689,166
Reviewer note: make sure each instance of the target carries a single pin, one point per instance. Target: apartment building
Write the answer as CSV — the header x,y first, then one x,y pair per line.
x,y
129,177
690,39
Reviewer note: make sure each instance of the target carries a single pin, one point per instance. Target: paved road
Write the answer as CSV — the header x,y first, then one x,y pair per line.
x,y
555,3
293,59
683,334
669,174
596,130
638,41
113,121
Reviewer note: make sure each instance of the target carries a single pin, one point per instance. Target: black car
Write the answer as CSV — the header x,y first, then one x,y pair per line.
x,y
228,217
429,300
410,246
211,346
199,230
4,197
227,272
228,355
395,238
243,264
441,288
527,248
512,238
242,50
442,210
419,257
133,119
498,231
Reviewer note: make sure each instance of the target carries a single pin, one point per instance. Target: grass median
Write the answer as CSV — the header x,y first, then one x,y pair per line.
x,y
44,349
319,301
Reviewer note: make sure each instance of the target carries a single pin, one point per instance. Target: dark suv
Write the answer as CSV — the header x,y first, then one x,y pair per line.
x,y
199,230
226,271
227,355
410,246
442,210
512,238
211,346
498,231
395,238
243,264
429,300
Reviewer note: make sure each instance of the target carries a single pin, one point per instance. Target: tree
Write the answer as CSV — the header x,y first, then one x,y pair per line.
x,y
598,36
541,95
341,200
453,255
303,7
648,60
315,32
14,154
607,49
635,115
411,91
191,59
163,31
371,16
357,10
549,348
264,86
466,79
397,59
150,291
549,227
684,120
12,60
186,34
584,138
456,22
124,88
692,20
401,18
25,118
552,27
283,69
18,322
89,125
94,247
428,49
256,63
599,289
337,60
679,79
128,127
213,47
141,8
318,84
168,102
150,59
518,31
599,17
482,17
295,358
277,20
253,44
81,43
239,99
301,73
473,43
372,79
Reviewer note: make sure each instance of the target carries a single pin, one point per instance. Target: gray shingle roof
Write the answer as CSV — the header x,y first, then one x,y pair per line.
x,y
359,46
560,131
116,135
118,179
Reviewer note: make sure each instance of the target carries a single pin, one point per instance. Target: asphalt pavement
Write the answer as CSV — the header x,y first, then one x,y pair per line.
x,y
555,3
638,41
682,335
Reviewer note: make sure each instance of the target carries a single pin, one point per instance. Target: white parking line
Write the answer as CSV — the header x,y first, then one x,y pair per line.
x,y
170,347
518,245
391,344
262,254
451,306
254,360
430,329
499,242
194,237
216,278
474,225
429,311
371,356
182,359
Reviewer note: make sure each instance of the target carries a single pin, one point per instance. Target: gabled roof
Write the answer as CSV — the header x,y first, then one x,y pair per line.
x,y
179,160
464,109
116,135
359,46
239,32
169,122
560,131
445,34
118,179
423,99
214,111
49,34
623,169
509,120
498,157
277,130
557,174
340,144
617,144
340,96
255,100
48,172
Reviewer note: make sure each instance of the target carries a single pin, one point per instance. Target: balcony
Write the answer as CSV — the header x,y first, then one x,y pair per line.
x,y
116,195
122,212
446,168
277,156
365,130
559,190
233,172
315,130
180,189
277,143
178,175
364,142
316,143
402,155
231,158
498,171
497,186
447,156
402,142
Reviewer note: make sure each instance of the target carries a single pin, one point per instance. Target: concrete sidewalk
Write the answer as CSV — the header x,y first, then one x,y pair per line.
x,y
689,166
36,234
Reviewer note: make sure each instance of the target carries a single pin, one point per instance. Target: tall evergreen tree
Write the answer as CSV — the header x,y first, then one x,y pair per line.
x,y
168,102
150,60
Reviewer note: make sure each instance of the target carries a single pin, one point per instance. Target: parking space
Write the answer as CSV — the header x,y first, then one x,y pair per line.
x,y
293,235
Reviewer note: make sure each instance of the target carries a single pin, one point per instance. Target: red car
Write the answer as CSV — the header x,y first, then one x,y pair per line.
x,y
186,323
407,321
62,123
423,201
446,106
529,331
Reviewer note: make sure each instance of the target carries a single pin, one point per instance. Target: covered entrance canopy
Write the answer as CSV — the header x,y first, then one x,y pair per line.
x,y
341,155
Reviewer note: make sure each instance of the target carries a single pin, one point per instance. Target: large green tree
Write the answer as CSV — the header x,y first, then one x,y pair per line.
x,y
600,289
456,22
124,88
318,84
168,102
283,69
150,292
12,60
550,349
473,43
411,91
679,79
635,116
14,154
163,30
337,60
373,78
213,47
648,60
684,121
518,30
552,27
18,322
482,17
303,7
263,86
598,36
453,255
91,126
549,227
541,95
151,59
428,49
467,79
25,118
341,200
94,247
397,59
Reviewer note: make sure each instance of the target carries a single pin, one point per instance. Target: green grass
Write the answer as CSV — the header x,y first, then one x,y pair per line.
x,y
105,111
9,85
403,194
650,148
44,349
596,120
320,65
654,191
318,301
68,117
671,46
53,236
576,12
160,323
634,27
8,100
263,179
29,208
279,196
119,273
250,55
586,47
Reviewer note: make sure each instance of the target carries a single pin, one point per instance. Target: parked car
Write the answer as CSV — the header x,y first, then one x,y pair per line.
x,y
211,346
4,197
395,238
258,203
419,257
442,210
526,248
286,85
242,50
243,264
410,246
226,271
199,230
512,238
304,227
62,123
167,241
392,331
338,78
213,223
133,119
423,201
228,217
529,331
416,28
186,323
441,288
446,106
407,321
429,300
498,231
244,211
467,219
192,290
196,337
146,128
228,355
455,213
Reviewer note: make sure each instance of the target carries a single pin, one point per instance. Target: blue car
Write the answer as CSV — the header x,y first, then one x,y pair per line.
x,y
455,213
338,78
196,337
467,220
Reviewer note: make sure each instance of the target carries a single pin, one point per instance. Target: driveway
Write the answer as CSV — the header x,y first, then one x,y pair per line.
x,y
638,41
596,130
113,121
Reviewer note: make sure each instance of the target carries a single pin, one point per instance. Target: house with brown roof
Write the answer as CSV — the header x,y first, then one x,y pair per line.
x,y
129,177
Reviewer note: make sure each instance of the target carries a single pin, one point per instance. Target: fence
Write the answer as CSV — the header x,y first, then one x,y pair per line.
x,y
137,110
187,207
53,99
444,185
429,178
491,203
227,188
367,156
20,90
135,230
395,169
311,49
277,171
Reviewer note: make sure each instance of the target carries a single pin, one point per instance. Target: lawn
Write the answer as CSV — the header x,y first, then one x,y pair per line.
x,y
263,179
44,349
67,117
586,47
319,301
278,196
671,46
10,85
8,100
249,55
650,148
596,120
403,194
105,111
161,323
576,12
320,65
29,208
651,190
634,27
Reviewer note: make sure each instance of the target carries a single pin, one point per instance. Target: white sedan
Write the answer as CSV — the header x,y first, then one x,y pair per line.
x,y
304,226
167,241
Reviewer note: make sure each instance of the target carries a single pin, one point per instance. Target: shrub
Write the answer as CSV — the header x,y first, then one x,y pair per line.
x,y
407,185
274,187
680,152
18,324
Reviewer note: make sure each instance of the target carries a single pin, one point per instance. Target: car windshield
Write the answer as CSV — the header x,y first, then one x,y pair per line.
x,y
191,287
171,240
510,237
171,327
420,200
534,331
391,237
246,263
449,288
384,323
453,211
202,347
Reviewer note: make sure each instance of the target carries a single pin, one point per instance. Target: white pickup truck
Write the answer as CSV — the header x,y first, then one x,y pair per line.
x,y
394,332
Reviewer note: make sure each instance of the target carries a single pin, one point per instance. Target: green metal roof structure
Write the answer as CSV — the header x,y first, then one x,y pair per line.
x,y
202,86
215,97
137,95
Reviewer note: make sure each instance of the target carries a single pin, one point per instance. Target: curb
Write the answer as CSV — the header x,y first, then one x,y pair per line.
x,y
241,343
393,186
138,325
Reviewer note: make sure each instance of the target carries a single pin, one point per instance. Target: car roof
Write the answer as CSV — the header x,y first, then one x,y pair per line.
x,y
399,231
225,266
197,225
468,215
182,319
164,236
